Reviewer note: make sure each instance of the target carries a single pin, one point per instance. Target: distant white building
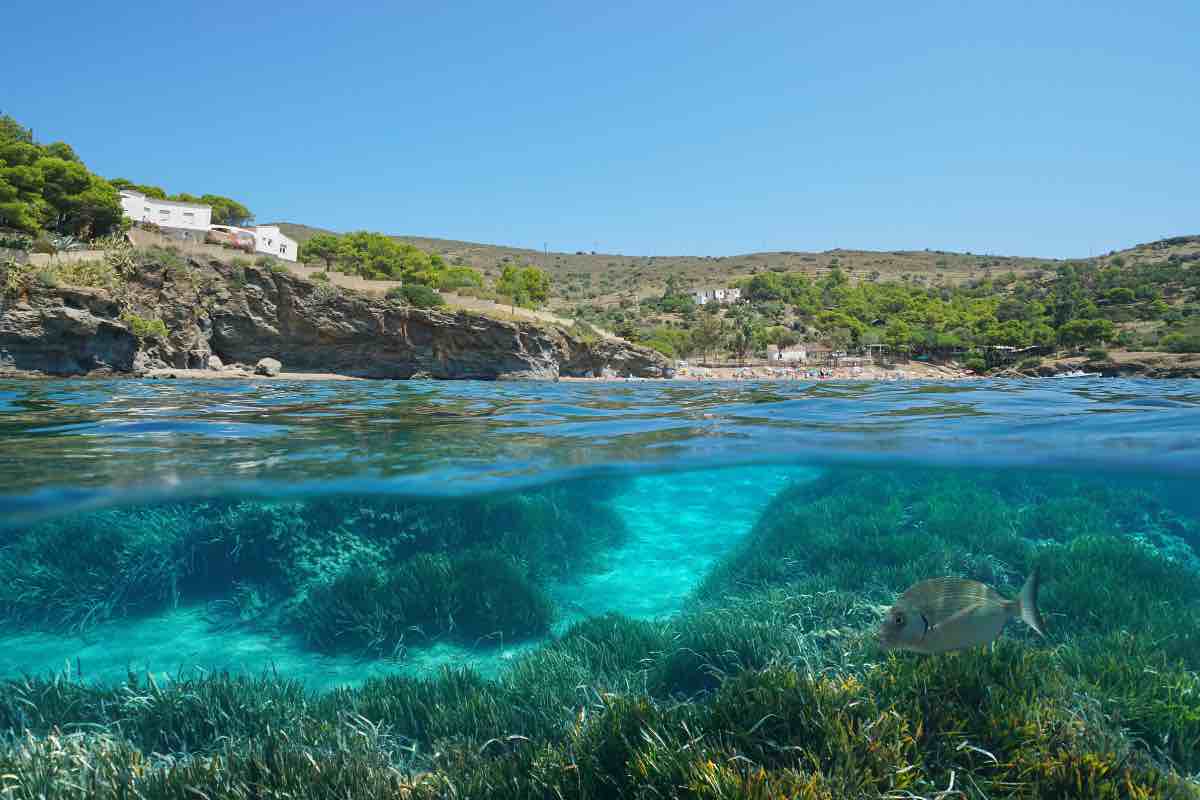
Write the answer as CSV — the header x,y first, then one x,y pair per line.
x,y
188,221
270,240
719,296
774,353
265,239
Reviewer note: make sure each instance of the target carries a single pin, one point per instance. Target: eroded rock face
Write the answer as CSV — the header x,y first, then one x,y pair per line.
x,y
65,332
245,314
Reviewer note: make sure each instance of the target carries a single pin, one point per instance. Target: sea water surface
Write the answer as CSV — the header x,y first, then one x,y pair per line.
x,y
156,525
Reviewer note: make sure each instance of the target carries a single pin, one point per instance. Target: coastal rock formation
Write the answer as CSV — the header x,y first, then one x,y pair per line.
x,y
243,314
1118,365
268,366
69,332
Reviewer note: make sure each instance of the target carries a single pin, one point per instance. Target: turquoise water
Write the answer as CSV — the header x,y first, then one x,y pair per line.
x,y
686,472
335,534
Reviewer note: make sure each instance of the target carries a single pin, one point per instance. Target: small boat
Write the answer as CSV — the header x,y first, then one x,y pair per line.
x,y
1078,373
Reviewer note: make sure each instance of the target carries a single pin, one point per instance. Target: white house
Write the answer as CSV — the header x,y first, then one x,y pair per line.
x,y
774,353
178,220
719,296
270,240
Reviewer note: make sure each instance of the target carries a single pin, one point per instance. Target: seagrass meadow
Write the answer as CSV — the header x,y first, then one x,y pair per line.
x,y
626,624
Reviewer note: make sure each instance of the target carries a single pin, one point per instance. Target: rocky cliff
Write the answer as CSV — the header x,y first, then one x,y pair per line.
x,y
244,313
1119,364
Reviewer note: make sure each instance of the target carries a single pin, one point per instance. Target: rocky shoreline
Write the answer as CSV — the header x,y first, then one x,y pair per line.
x,y
1121,364
243,314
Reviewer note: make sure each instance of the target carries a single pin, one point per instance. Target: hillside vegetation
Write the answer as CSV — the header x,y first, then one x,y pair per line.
x,y
929,302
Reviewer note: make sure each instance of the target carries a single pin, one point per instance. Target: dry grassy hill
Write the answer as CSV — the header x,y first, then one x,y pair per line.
x,y
604,278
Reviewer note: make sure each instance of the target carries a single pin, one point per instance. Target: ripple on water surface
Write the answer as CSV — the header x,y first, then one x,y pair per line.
x,y
429,438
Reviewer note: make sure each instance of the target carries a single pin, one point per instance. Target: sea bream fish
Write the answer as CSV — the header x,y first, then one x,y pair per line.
x,y
943,614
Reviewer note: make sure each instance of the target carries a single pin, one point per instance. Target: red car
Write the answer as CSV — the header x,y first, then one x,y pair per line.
x,y
231,237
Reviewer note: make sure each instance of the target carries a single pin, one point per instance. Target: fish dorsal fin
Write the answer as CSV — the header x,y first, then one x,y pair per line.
x,y
938,599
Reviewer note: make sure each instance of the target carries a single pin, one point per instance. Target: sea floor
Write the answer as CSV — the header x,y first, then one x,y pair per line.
x,y
679,525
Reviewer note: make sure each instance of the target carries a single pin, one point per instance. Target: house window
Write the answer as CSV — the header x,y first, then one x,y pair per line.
x,y
164,213
189,217
282,248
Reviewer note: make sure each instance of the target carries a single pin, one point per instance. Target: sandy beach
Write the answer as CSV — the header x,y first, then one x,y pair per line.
x,y
911,371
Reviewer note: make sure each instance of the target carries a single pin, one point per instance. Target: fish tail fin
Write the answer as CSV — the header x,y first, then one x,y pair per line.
x,y
1027,604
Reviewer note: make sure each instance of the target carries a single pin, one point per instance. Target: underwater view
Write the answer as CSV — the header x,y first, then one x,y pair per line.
x,y
978,589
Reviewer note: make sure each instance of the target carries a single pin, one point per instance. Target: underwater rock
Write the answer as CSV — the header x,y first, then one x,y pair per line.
x,y
268,366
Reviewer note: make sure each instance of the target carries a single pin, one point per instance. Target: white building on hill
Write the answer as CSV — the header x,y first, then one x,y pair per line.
x,y
187,221
719,296
796,354
270,240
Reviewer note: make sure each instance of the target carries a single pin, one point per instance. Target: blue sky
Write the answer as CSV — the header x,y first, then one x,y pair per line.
x,y
1054,128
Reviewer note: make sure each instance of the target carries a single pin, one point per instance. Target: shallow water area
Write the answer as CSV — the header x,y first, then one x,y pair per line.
x,y
686,469
672,542
184,564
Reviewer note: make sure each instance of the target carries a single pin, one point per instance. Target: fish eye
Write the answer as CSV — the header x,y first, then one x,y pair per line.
x,y
899,619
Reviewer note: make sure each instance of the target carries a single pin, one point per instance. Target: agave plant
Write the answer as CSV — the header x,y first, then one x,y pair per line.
x,y
65,243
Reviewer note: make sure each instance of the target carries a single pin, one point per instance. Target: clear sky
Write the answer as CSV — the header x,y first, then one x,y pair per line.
x,y
1049,128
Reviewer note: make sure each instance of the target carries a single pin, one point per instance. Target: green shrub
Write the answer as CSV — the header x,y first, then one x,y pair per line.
x,y
45,277
416,294
15,241
1120,294
43,245
168,257
1182,343
325,292
320,276
97,274
459,277
482,293
975,364
241,262
145,328
1097,354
